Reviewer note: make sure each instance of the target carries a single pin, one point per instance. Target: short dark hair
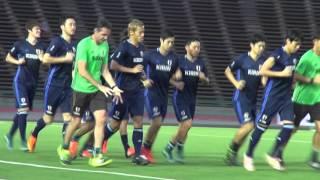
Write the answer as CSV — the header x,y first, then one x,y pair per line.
x,y
257,37
103,23
294,35
32,23
64,18
167,33
189,41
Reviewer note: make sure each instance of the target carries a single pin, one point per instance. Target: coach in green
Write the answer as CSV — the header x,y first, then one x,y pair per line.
x,y
306,95
88,91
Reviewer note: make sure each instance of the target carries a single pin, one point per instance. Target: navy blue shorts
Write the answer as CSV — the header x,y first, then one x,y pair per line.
x,y
24,94
133,104
245,110
87,116
183,109
155,105
55,97
270,107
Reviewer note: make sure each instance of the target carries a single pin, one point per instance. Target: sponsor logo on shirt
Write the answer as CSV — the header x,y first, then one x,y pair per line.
x,y
31,56
191,73
253,72
98,58
138,60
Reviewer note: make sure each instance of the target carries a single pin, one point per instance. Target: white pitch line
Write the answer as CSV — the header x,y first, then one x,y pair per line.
x,y
82,170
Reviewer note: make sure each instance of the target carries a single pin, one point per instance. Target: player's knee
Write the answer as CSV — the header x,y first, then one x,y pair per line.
x,y
156,122
187,124
47,118
137,124
90,125
66,117
100,116
114,125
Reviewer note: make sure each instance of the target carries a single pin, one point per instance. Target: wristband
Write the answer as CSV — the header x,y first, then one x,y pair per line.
x,y
113,86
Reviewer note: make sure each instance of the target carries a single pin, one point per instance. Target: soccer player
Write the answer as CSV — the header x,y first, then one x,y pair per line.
x,y
306,95
27,55
58,92
127,61
88,91
277,99
244,100
193,70
160,64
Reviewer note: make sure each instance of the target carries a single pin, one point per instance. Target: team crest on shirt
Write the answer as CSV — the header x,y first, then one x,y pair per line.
x,y
294,61
169,62
198,68
141,53
38,51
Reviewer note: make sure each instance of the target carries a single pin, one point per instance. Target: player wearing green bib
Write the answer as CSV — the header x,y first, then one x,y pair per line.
x,y
306,95
96,56
89,93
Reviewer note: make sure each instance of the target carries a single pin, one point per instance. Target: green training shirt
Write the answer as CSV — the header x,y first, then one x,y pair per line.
x,y
308,66
95,56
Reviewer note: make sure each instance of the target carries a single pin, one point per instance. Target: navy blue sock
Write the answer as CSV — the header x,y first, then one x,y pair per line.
x,y
255,137
64,128
124,140
137,136
22,121
108,131
282,140
40,125
14,126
